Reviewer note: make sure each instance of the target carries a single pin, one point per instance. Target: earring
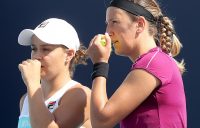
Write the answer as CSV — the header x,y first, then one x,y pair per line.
x,y
65,61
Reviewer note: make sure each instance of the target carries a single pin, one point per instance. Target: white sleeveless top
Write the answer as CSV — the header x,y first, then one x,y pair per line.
x,y
51,103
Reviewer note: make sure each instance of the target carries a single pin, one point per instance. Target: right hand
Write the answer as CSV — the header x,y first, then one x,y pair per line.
x,y
97,52
30,71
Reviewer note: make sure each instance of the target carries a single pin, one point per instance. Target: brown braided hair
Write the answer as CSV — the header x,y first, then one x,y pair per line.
x,y
163,31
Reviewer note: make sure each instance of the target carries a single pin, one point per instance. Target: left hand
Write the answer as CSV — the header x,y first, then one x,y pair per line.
x,y
97,52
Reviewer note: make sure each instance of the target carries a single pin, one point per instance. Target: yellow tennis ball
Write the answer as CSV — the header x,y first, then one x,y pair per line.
x,y
103,41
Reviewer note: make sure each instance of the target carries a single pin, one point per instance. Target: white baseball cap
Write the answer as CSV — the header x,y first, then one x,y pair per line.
x,y
52,31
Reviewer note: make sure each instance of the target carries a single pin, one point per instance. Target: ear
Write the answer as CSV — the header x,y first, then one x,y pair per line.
x,y
140,24
70,53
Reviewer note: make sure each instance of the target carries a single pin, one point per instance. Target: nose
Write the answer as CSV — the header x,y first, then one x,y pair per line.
x,y
36,55
109,31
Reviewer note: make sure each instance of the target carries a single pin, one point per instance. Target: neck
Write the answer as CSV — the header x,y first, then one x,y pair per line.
x,y
52,85
144,45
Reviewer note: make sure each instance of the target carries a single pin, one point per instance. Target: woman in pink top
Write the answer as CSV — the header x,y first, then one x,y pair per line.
x,y
152,95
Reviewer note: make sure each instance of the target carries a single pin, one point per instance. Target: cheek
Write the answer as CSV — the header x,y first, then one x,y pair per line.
x,y
33,56
55,62
117,46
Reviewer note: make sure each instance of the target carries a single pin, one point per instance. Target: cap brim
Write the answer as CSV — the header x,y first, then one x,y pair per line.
x,y
25,36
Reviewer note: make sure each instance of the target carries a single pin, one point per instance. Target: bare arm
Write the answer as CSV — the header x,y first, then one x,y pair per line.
x,y
87,124
105,113
138,85
87,120
72,112
39,114
73,108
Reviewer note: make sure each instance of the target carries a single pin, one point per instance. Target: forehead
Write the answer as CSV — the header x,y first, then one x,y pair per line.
x,y
35,41
113,12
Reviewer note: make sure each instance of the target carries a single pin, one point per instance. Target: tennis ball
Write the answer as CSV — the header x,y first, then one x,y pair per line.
x,y
103,41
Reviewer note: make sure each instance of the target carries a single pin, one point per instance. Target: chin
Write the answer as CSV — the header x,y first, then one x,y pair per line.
x,y
117,51
43,74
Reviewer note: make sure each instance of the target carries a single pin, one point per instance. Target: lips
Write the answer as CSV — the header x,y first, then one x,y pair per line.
x,y
114,42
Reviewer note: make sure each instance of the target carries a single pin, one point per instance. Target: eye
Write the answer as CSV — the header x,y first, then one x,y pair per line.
x,y
33,49
46,49
114,21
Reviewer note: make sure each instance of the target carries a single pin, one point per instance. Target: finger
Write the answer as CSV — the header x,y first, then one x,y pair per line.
x,y
108,39
24,62
20,67
97,40
92,41
35,60
30,61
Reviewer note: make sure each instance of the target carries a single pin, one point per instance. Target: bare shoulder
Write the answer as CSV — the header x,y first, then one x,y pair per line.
x,y
83,87
80,93
85,102
75,102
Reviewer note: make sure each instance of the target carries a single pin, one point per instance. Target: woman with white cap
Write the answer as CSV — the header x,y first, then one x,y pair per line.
x,y
53,98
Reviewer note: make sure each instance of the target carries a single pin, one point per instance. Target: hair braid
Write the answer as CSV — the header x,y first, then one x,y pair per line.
x,y
163,31
166,35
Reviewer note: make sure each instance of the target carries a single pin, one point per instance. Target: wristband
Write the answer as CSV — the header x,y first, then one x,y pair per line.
x,y
100,69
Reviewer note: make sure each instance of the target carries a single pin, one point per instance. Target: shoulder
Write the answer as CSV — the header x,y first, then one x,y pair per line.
x,y
82,91
78,94
81,87
76,103
153,58
73,106
156,63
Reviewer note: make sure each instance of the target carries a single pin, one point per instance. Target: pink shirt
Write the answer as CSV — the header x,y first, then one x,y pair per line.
x,y
166,106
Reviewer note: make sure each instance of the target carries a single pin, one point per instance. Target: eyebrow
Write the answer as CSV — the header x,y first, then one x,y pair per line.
x,y
43,45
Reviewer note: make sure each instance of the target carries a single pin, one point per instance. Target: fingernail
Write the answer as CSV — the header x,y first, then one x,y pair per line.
x,y
106,33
